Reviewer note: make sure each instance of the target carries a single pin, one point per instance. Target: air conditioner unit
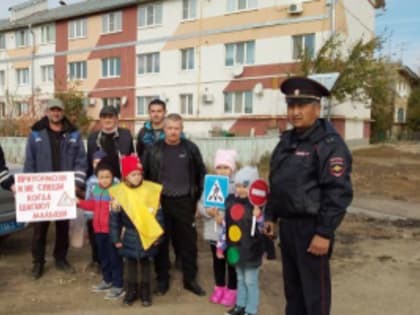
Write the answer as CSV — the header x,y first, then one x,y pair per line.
x,y
208,98
295,8
92,102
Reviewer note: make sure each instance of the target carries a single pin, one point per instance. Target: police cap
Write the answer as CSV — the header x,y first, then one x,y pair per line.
x,y
301,90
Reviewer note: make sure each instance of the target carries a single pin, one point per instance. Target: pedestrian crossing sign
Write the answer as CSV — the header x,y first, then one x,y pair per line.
x,y
216,189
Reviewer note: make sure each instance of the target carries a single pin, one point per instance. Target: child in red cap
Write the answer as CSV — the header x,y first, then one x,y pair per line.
x,y
136,226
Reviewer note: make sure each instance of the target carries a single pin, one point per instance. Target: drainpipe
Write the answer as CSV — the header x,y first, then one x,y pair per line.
x,y
32,67
198,55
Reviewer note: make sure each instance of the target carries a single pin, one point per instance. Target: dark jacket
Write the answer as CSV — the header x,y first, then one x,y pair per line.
x,y
310,177
6,179
196,171
38,156
146,138
132,246
123,142
250,248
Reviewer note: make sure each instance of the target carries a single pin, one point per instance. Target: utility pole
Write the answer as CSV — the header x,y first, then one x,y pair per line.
x,y
332,31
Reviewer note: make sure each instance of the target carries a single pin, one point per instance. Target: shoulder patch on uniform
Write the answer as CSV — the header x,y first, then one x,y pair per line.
x,y
337,166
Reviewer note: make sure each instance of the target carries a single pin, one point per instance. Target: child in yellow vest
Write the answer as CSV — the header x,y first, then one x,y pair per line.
x,y
136,226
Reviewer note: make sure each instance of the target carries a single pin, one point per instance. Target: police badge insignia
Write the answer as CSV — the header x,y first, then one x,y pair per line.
x,y
337,166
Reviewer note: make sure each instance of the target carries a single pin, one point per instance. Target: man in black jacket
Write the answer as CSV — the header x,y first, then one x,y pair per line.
x,y
177,164
114,142
6,179
310,191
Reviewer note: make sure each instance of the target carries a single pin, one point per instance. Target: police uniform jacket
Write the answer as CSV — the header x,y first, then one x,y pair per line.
x,y
310,177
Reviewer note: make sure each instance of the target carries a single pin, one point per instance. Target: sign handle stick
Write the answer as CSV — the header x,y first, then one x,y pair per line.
x,y
254,223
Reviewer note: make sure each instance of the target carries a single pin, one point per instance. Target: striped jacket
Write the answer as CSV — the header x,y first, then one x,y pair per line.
x,y
6,179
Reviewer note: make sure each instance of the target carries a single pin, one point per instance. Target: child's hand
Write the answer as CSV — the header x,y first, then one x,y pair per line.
x,y
256,212
212,212
115,204
220,254
118,245
219,218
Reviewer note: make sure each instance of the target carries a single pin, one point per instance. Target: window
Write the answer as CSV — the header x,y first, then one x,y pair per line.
x,y
186,101
303,44
112,101
150,15
2,41
240,53
48,33
21,108
148,63
400,115
22,38
22,76
77,70
187,59
143,103
77,28
189,9
111,22
238,102
2,77
111,67
47,73
2,109
239,5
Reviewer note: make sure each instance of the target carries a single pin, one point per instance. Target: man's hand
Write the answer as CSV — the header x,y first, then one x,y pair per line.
x,y
13,189
319,245
256,212
269,229
118,245
212,212
219,218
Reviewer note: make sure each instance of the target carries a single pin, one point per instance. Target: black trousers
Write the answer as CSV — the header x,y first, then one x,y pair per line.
x,y
131,275
307,281
39,240
179,217
219,271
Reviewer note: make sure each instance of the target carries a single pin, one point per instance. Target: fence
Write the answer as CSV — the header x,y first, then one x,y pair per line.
x,y
250,150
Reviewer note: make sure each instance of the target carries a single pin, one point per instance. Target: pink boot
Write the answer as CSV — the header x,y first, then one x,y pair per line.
x,y
217,295
229,298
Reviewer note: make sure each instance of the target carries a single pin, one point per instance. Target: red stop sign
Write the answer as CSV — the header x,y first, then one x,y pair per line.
x,y
258,192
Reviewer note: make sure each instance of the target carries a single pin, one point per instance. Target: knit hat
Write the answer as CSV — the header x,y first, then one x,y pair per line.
x,y
129,164
246,176
225,157
99,155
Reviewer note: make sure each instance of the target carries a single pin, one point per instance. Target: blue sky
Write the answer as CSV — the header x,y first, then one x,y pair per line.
x,y
400,22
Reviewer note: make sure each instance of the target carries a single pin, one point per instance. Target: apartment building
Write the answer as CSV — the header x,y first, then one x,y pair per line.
x,y
217,62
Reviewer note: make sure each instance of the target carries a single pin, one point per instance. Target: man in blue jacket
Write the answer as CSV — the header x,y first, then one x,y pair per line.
x,y
310,189
54,145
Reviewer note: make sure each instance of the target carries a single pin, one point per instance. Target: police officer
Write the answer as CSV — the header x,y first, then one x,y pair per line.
x,y
310,191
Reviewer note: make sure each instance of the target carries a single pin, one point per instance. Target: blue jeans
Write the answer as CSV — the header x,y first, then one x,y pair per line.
x,y
111,262
248,294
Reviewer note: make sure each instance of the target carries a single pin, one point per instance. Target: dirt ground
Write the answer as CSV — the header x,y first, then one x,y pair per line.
x,y
375,266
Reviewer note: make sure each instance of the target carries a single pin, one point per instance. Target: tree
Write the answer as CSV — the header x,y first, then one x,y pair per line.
x,y
413,110
74,108
363,77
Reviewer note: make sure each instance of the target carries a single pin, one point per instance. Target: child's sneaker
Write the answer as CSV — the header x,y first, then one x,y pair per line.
x,y
217,294
229,298
114,293
101,287
236,310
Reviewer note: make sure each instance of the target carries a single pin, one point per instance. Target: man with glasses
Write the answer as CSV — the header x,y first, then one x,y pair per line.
x,y
310,191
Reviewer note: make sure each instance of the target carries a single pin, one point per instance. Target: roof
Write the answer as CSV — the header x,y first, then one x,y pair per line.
x,y
409,74
75,10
